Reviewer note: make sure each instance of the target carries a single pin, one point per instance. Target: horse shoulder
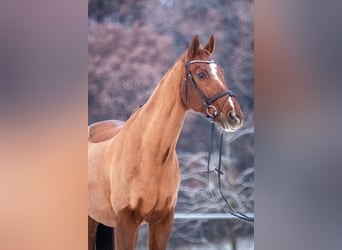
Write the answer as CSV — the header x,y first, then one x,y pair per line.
x,y
104,130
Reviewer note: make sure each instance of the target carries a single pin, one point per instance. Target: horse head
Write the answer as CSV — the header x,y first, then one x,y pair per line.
x,y
205,90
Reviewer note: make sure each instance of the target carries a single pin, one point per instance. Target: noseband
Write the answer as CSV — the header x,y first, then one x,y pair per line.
x,y
207,103
211,110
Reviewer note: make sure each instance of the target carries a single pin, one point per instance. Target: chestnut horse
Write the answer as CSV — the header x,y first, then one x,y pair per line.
x,y
133,170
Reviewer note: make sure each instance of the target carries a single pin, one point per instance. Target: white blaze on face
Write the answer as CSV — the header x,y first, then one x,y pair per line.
x,y
230,100
213,69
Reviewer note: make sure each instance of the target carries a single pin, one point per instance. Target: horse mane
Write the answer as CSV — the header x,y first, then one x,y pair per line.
x,y
104,130
201,53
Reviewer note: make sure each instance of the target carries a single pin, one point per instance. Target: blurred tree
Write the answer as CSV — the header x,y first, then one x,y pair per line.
x,y
124,65
123,11
99,9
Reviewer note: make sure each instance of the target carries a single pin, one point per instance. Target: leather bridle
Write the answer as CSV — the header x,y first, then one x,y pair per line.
x,y
207,103
210,109
219,172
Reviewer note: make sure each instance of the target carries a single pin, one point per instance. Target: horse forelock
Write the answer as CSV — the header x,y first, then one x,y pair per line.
x,y
203,53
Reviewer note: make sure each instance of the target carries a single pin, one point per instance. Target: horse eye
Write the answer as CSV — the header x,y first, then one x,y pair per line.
x,y
202,75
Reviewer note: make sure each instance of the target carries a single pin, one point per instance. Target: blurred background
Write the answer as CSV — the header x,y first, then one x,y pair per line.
x,y
131,44
44,116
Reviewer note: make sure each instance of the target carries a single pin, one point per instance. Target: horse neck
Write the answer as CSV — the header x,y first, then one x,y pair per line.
x,y
165,109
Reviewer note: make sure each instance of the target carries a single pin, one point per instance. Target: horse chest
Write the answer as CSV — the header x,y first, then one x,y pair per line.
x,y
148,185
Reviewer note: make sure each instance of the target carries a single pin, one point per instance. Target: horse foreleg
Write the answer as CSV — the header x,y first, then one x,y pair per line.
x,y
126,230
159,231
92,227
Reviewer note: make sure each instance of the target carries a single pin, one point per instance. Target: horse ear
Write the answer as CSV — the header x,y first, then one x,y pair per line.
x,y
210,45
193,49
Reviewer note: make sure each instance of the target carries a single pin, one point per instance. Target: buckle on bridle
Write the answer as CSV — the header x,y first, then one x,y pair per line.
x,y
213,108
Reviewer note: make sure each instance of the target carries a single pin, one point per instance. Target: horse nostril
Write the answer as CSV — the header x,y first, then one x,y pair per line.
x,y
232,115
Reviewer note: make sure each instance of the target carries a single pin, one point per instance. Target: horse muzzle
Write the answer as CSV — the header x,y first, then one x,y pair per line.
x,y
231,121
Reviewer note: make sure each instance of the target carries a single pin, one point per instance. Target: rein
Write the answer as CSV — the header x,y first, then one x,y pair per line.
x,y
207,102
231,211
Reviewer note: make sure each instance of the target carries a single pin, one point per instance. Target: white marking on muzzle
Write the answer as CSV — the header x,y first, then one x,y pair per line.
x,y
230,100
